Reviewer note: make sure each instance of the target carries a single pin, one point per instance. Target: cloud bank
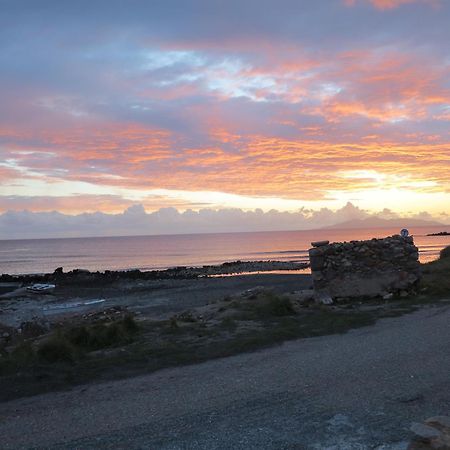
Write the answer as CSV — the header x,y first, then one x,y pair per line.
x,y
135,221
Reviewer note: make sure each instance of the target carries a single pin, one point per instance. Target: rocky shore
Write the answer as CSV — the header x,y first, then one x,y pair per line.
x,y
175,273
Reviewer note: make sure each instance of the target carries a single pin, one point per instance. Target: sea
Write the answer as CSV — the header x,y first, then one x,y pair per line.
x,y
27,256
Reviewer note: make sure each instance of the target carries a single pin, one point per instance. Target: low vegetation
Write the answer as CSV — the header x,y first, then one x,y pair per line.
x,y
267,305
78,354
436,276
70,344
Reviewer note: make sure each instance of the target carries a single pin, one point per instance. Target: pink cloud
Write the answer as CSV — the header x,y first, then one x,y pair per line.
x,y
392,4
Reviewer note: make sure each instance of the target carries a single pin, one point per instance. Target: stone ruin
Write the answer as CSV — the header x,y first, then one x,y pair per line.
x,y
364,269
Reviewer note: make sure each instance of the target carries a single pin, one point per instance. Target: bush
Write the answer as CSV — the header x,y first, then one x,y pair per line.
x,y
269,305
79,336
130,325
103,335
445,253
279,306
23,354
56,349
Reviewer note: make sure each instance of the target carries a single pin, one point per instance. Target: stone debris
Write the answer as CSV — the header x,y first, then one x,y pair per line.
x,y
109,314
323,297
365,269
254,292
433,434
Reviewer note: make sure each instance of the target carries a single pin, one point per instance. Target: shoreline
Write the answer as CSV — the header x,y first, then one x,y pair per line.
x,y
157,255
231,268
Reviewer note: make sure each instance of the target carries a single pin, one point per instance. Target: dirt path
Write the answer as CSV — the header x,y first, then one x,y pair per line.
x,y
360,390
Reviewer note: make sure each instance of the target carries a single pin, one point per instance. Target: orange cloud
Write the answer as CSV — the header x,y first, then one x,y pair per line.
x,y
319,122
132,157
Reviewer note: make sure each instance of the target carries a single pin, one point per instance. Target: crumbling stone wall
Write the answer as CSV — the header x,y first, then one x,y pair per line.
x,y
373,268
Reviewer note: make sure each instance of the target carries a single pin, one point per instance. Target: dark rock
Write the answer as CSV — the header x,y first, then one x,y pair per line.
x,y
424,432
319,243
315,252
317,262
439,422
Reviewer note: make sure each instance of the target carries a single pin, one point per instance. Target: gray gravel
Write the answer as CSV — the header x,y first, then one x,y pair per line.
x,y
153,298
361,390
167,297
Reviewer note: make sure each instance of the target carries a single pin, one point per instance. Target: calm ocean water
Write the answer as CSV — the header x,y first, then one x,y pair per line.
x,y
158,252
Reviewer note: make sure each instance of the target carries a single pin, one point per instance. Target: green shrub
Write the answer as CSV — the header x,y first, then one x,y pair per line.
x,y
268,305
79,336
23,354
279,306
130,325
102,335
56,349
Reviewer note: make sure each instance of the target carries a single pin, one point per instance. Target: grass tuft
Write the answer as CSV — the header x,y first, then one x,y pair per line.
x,y
101,336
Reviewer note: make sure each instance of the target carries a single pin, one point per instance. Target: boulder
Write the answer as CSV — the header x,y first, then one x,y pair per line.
x,y
433,434
323,297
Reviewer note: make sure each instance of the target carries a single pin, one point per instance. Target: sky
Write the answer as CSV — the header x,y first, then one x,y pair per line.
x,y
248,105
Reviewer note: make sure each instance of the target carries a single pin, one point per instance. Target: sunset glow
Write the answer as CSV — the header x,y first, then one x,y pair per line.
x,y
296,105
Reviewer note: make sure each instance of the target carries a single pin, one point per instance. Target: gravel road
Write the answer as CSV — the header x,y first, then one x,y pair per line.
x,y
360,390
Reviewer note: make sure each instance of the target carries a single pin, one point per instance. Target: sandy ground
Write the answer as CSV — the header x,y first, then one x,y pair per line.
x,y
360,390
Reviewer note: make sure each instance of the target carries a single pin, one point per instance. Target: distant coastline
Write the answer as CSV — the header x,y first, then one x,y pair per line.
x,y
441,233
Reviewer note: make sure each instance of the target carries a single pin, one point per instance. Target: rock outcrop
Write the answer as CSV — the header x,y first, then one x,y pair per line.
x,y
364,269
433,434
